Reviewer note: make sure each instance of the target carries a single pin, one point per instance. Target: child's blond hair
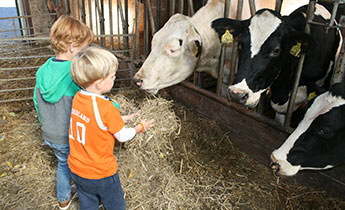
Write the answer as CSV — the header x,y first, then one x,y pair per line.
x,y
67,30
92,63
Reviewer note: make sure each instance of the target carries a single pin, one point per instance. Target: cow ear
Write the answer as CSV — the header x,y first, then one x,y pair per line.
x,y
194,46
227,29
298,43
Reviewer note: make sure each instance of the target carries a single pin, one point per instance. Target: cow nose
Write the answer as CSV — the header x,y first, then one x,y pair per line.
x,y
274,165
238,96
137,81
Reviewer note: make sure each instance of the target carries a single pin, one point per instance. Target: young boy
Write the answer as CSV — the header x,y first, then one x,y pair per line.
x,y
95,123
53,95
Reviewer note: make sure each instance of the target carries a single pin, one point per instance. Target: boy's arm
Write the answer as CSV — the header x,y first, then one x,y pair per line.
x,y
126,134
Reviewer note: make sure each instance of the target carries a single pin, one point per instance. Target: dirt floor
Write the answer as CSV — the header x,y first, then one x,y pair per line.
x,y
201,170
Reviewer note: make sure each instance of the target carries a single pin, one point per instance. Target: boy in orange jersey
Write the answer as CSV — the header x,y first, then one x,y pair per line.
x,y
53,95
95,123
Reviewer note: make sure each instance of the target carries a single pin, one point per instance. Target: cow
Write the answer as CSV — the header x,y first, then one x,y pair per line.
x,y
270,46
187,44
318,142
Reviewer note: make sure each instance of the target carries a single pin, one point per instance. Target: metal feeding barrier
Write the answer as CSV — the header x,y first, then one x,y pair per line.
x,y
24,40
340,61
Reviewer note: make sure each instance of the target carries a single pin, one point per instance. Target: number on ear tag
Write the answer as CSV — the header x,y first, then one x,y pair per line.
x,y
227,37
296,49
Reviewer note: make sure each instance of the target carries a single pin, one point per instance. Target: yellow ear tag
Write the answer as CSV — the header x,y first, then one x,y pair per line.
x,y
227,37
195,51
296,49
311,96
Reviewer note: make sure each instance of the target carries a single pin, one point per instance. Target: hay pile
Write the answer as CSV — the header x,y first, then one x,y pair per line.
x,y
147,176
184,162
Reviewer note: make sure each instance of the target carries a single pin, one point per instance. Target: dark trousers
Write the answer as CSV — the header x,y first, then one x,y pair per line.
x,y
108,190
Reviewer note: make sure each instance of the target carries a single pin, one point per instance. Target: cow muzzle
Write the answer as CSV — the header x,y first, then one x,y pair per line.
x,y
238,96
137,81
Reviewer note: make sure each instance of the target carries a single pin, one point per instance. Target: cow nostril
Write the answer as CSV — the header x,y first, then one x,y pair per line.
x,y
274,166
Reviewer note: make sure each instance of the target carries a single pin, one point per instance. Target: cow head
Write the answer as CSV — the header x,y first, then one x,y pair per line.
x,y
319,140
264,41
175,51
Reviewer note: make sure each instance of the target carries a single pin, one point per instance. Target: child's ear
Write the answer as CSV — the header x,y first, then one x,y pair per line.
x,y
99,83
71,47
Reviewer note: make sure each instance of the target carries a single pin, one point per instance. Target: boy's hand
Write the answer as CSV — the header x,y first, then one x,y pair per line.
x,y
129,117
147,125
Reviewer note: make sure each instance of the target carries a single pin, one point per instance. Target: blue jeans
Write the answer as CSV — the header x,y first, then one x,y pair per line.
x,y
108,190
63,175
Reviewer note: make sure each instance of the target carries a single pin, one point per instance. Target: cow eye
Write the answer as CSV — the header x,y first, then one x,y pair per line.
x,y
180,41
325,132
275,52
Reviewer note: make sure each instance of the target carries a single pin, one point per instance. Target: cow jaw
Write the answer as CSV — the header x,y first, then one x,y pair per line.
x,y
301,97
252,98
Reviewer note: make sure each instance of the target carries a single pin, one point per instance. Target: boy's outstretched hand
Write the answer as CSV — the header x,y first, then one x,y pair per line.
x,y
130,117
145,125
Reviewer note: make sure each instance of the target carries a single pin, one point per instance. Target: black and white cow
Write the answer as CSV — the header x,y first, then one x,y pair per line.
x,y
319,140
269,49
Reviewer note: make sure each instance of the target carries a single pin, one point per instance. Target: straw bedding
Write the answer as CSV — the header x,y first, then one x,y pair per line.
x,y
185,162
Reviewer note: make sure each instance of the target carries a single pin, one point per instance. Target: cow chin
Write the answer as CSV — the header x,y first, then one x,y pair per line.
x,y
152,91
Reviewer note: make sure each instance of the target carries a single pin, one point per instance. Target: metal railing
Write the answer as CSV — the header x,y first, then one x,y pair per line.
x,y
23,48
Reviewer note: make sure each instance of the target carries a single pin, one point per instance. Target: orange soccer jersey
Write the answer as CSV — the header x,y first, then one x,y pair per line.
x,y
94,121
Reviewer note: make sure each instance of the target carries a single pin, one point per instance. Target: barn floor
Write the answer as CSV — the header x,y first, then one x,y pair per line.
x,y
217,174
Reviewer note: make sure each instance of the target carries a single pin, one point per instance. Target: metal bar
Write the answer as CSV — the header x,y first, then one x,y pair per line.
x,y
110,5
73,11
118,25
19,68
310,15
17,89
172,7
252,7
124,22
152,22
146,31
83,15
125,29
137,37
240,9
334,12
278,5
191,7
15,100
16,79
24,57
68,7
180,6
102,19
222,55
158,14
90,13
96,19
25,39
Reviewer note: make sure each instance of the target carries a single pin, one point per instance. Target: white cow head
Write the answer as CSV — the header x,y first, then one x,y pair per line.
x,y
175,52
